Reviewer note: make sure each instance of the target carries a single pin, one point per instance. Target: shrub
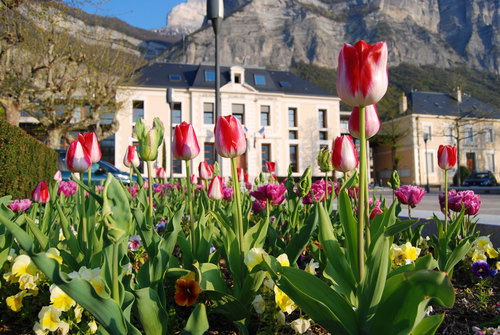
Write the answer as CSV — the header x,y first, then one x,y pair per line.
x,y
24,161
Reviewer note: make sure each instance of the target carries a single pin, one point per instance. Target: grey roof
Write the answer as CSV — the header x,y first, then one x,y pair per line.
x,y
445,104
159,75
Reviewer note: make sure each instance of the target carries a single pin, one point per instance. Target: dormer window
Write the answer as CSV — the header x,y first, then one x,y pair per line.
x,y
209,76
260,79
237,78
237,75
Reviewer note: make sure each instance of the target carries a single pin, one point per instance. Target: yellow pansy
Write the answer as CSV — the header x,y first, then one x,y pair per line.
x,y
283,260
92,326
411,252
37,328
54,254
311,267
478,255
15,302
483,242
60,299
492,253
28,282
253,257
283,301
63,328
23,265
10,277
49,318
93,276
397,255
498,266
78,313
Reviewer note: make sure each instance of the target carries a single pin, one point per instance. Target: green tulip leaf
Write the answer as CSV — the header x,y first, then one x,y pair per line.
x,y
301,240
197,323
226,304
151,313
428,325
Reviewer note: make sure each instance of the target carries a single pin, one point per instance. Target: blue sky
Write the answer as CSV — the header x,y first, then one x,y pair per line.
x,y
146,14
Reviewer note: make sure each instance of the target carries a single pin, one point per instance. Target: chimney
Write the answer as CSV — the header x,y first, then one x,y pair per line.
x,y
403,104
459,95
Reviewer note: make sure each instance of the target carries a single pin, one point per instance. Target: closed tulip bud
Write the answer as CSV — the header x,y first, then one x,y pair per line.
x,y
58,176
447,156
91,145
230,139
271,167
362,73
193,179
205,170
305,182
215,188
372,122
325,160
345,155
41,192
131,157
241,174
185,145
394,182
77,158
160,173
149,141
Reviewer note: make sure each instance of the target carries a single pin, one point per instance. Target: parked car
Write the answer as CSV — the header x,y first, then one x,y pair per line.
x,y
480,178
99,170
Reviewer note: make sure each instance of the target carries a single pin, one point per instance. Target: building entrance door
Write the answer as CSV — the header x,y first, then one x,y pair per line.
x,y
471,160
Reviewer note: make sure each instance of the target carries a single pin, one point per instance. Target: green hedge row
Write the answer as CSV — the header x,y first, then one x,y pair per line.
x,y
24,161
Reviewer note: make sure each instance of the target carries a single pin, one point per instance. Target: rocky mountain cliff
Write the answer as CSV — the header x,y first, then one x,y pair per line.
x,y
278,33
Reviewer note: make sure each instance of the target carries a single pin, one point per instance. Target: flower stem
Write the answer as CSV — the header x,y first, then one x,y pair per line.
x,y
189,199
446,200
131,174
116,290
150,189
237,198
363,188
326,186
89,179
81,193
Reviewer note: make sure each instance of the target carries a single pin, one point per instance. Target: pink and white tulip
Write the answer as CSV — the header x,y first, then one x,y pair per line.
x,y
41,193
230,138
91,145
160,173
205,170
77,158
185,145
216,188
447,156
345,155
131,158
372,122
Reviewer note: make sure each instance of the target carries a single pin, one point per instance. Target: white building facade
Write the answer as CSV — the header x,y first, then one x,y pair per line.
x,y
287,120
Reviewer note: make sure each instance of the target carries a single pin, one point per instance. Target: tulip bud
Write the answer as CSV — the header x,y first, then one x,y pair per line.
x,y
149,141
230,139
394,182
362,73
305,182
241,174
185,145
215,189
160,173
447,156
325,160
345,155
271,167
372,122
193,179
41,192
131,157
58,176
205,170
77,158
91,145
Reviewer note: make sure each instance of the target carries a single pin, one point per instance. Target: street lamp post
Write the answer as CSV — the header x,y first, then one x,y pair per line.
x,y
215,13
170,101
426,138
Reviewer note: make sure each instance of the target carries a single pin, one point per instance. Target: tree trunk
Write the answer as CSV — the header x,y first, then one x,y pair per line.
x,y
12,112
54,138
459,174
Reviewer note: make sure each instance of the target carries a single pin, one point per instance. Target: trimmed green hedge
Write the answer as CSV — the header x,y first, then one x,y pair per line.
x,y
24,161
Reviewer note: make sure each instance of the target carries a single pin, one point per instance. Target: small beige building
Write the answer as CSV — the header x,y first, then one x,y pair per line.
x,y
286,118
429,119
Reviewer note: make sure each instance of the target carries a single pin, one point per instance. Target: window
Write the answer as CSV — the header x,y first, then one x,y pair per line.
x,y
208,113
427,132
265,155
285,84
430,162
448,134
322,118
209,153
488,135
294,157
239,112
177,166
292,117
209,76
490,162
174,77
259,79
137,111
469,134
177,113
265,112
237,78
321,146
293,135
323,135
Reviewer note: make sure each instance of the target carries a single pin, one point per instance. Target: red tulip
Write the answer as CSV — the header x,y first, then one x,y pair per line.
x,y
185,146
241,174
271,167
77,158
193,179
362,73
41,192
160,173
345,155
91,145
447,156
372,122
205,170
216,189
131,157
230,139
